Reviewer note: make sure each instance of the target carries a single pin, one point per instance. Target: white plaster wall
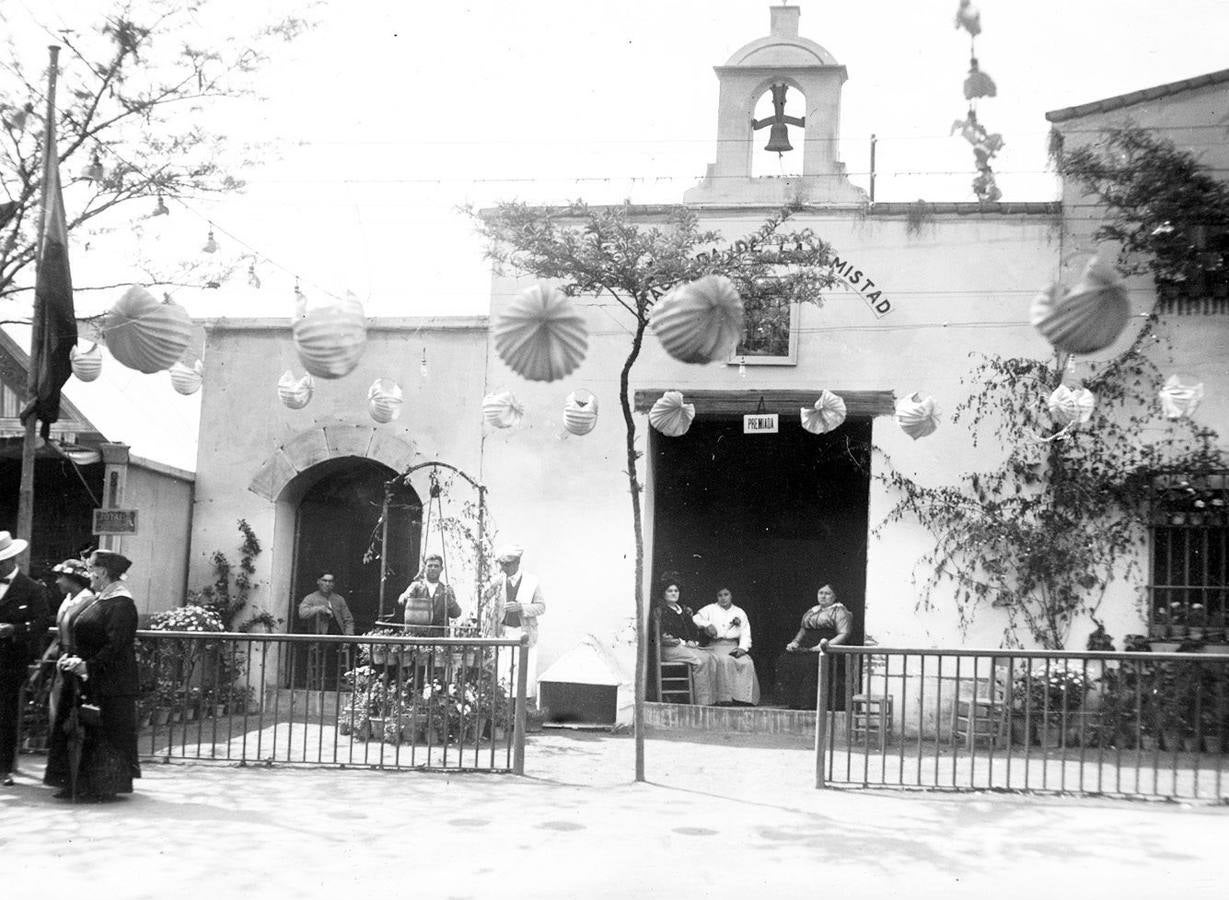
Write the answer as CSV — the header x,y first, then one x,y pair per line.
x,y
566,499
159,552
243,424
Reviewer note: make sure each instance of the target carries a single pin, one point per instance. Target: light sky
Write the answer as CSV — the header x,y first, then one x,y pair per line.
x,y
391,114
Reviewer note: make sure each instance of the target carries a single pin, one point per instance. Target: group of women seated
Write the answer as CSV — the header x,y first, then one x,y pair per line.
x,y
716,644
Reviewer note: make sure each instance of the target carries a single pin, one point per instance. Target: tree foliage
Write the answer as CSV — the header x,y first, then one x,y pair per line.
x,y
1042,535
132,91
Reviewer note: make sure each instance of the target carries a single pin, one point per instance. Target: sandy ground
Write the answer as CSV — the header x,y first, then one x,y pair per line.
x,y
716,820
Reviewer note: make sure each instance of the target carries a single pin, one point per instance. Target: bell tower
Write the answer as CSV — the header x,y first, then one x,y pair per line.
x,y
781,63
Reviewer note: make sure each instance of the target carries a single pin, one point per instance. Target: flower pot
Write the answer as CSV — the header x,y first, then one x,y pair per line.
x,y
1023,731
1190,743
1171,740
1211,743
1148,742
162,715
379,654
219,710
177,715
375,728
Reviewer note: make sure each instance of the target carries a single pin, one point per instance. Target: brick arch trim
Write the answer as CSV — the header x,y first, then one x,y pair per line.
x,y
322,443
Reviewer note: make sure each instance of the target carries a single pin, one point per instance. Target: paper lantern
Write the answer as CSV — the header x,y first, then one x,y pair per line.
x,y
186,380
1087,318
1071,406
968,17
146,335
384,400
670,415
917,416
541,335
295,393
330,337
500,410
86,365
700,322
827,414
1179,400
580,412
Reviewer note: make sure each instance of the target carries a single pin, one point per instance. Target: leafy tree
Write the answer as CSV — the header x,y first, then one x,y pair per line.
x,y
612,252
1042,535
132,91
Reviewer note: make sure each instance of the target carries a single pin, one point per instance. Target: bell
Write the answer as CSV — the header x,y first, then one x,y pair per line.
x,y
778,139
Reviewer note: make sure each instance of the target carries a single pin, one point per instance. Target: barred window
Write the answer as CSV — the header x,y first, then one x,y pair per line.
x,y
1189,583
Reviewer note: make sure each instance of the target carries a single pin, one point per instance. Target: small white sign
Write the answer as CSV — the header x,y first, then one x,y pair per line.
x,y
760,423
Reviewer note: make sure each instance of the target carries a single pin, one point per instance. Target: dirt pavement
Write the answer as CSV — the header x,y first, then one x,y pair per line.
x,y
715,821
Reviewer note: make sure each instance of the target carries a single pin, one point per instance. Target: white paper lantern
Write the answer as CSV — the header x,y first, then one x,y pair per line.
x,y
144,334
1179,400
295,393
580,412
1071,406
330,337
1087,318
186,380
670,415
917,416
384,400
541,335
500,410
87,365
827,414
700,322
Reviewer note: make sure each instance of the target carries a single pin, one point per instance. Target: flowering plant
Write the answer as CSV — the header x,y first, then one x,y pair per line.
x,y
1056,691
186,618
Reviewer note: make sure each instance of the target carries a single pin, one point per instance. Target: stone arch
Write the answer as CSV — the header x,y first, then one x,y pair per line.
x,y
325,442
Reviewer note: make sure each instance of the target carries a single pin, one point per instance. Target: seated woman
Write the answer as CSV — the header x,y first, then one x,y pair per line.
x,y
729,631
824,624
678,636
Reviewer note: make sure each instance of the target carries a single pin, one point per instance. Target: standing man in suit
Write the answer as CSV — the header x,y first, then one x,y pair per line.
x,y
23,619
516,603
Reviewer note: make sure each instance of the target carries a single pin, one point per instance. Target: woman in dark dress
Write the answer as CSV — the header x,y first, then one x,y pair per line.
x,y
678,638
824,624
97,666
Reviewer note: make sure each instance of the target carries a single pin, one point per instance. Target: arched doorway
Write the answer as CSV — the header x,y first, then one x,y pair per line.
x,y
337,529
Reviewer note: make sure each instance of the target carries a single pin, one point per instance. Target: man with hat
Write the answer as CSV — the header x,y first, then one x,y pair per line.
x,y
516,602
23,619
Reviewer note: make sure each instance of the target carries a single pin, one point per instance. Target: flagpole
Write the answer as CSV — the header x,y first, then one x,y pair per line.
x,y
25,499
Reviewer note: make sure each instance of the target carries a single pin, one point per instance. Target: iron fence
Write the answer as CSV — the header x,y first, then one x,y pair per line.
x,y
1122,724
380,702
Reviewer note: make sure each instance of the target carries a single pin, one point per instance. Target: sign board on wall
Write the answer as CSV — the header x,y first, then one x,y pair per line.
x,y
760,423
115,521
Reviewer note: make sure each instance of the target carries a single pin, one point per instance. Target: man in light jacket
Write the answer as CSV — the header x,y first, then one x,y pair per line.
x,y
515,602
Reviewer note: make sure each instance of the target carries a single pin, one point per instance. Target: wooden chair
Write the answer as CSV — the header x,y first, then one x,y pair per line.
x,y
674,679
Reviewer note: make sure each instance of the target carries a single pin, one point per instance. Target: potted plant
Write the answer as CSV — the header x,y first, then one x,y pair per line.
x,y
1053,699
1214,635
377,654
1196,622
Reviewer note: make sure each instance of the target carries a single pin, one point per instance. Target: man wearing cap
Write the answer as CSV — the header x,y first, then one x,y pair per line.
x,y
516,603
23,619
323,608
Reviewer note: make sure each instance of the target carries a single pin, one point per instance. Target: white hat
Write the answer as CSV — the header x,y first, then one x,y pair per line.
x,y
509,552
11,546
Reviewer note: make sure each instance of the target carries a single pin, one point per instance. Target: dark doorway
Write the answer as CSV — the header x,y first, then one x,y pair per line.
x,y
338,531
771,516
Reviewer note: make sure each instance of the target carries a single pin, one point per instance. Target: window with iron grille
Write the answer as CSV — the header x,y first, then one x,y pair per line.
x,y
1189,584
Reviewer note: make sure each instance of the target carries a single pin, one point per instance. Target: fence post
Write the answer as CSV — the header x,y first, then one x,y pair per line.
x,y
518,728
821,722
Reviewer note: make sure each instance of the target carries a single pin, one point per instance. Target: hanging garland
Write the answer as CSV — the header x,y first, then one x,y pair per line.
x,y
976,86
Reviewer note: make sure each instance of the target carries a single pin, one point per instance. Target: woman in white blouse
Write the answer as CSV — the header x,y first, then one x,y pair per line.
x,y
729,631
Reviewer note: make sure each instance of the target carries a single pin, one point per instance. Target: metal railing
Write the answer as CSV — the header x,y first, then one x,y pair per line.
x,y
378,702
1123,724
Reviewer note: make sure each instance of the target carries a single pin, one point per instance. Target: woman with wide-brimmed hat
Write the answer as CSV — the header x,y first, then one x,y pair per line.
x,y
97,667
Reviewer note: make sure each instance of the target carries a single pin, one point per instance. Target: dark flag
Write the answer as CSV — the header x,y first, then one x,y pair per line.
x,y
55,323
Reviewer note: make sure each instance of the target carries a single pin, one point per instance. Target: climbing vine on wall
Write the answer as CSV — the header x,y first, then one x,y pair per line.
x,y
1042,535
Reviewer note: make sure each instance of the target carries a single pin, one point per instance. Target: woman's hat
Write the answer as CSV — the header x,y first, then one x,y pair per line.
x,y
115,563
73,568
11,546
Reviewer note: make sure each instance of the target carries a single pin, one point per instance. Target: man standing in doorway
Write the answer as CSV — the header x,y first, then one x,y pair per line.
x,y
326,612
517,604
23,620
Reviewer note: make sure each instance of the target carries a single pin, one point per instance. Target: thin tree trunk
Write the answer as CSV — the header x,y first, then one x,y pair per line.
x,y
642,638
